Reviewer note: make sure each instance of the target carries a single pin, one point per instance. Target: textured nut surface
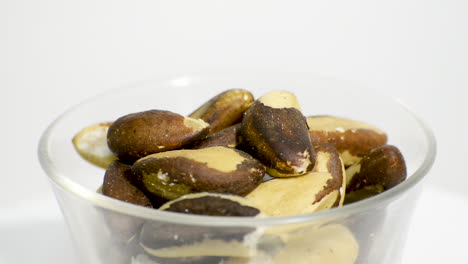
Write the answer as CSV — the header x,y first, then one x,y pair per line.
x,y
174,241
330,244
383,168
274,131
225,109
117,184
227,137
353,139
217,169
309,193
91,144
140,134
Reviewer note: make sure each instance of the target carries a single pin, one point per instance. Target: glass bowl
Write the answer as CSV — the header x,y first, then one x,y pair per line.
x,y
106,230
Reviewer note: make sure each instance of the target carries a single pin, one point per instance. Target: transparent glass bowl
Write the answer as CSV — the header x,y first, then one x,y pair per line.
x,y
106,230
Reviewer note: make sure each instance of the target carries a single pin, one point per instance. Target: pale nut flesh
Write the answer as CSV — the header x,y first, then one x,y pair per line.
x,y
172,174
353,139
296,195
382,169
189,241
275,132
224,109
330,244
137,135
91,144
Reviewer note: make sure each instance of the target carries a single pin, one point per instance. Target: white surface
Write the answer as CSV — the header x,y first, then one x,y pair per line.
x,y
54,54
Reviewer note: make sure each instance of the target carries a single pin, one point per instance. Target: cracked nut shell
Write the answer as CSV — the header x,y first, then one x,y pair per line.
x,y
225,109
140,134
174,173
275,132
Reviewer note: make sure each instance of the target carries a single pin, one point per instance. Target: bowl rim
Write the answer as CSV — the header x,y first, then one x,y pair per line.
x,y
99,200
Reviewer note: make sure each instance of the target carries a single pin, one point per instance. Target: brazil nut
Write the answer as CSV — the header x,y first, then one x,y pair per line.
x,y
225,109
140,134
91,144
353,139
227,137
174,173
169,240
382,169
275,132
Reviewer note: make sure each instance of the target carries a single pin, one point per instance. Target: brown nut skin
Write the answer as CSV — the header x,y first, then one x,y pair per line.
x,y
227,137
383,168
352,139
117,184
174,173
225,109
140,134
275,132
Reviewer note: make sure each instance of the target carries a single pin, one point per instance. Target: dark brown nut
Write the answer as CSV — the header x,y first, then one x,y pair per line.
x,y
225,109
140,134
352,139
227,137
383,168
117,184
274,131
174,173
312,192
328,160
169,240
325,244
91,144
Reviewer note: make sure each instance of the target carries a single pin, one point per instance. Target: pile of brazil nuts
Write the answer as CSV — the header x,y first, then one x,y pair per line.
x,y
240,156
264,150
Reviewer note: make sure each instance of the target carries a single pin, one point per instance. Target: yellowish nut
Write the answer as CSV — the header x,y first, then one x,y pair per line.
x,y
140,134
383,168
91,144
175,241
312,192
227,137
274,131
225,109
331,244
353,139
172,174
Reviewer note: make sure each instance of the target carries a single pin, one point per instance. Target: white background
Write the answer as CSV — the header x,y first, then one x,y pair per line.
x,y
54,54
